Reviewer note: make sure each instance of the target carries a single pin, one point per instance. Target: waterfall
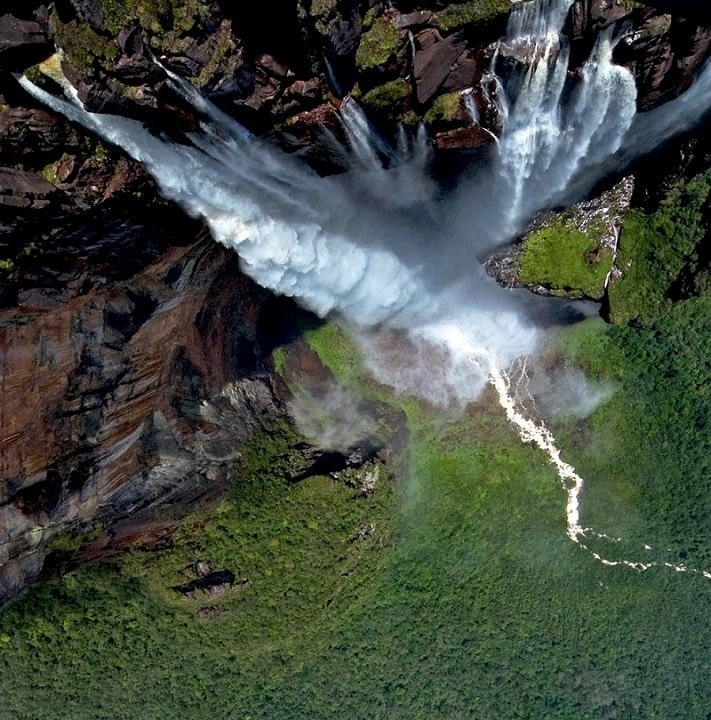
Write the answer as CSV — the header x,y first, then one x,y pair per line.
x,y
470,106
378,245
546,141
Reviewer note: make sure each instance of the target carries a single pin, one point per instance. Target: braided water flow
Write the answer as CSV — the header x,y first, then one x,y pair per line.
x,y
534,431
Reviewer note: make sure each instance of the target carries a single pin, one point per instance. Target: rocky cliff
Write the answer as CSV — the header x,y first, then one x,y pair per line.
x,y
133,353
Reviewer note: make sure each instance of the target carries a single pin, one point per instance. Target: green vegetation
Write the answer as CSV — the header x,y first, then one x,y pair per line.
x,y
322,8
447,108
116,641
567,260
325,14
647,452
69,542
660,253
339,353
155,15
458,14
378,44
388,99
167,20
469,601
82,46
452,593
219,54
49,172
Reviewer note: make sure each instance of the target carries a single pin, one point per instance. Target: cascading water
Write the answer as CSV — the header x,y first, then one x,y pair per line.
x,y
546,142
405,258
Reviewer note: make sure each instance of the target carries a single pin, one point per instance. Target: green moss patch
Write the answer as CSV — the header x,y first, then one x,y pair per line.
x,y
445,108
167,20
566,260
82,46
389,99
155,15
378,44
459,14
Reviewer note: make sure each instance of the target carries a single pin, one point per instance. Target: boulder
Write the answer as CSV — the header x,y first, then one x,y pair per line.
x,y
433,62
91,13
22,42
21,189
33,136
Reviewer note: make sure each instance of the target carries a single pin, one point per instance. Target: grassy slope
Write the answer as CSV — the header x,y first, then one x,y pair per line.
x,y
566,260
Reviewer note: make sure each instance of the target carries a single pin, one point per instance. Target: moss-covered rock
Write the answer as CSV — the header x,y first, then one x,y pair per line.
x,y
157,15
570,253
378,44
83,47
566,260
389,100
446,109
457,15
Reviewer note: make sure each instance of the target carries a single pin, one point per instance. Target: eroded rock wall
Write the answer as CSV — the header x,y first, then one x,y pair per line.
x,y
134,394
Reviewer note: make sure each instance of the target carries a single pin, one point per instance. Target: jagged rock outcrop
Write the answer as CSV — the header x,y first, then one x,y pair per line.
x,y
21,41
279,66
273,64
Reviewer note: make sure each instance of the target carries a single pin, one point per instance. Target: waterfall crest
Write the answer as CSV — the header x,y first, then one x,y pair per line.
x,y
378,244
547,141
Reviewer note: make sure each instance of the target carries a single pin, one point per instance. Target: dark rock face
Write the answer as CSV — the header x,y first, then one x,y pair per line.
x,y
693,9
33,137
662,50
664,57
130,368
22,189
433,62
21,41
123,397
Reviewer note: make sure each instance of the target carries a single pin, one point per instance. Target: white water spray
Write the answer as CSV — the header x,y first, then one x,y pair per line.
x,y
546,142
367,244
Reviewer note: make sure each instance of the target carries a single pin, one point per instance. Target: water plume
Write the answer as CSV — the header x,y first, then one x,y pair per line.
x,y
379,245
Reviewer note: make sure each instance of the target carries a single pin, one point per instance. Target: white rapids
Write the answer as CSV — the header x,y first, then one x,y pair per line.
x,y
536,432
